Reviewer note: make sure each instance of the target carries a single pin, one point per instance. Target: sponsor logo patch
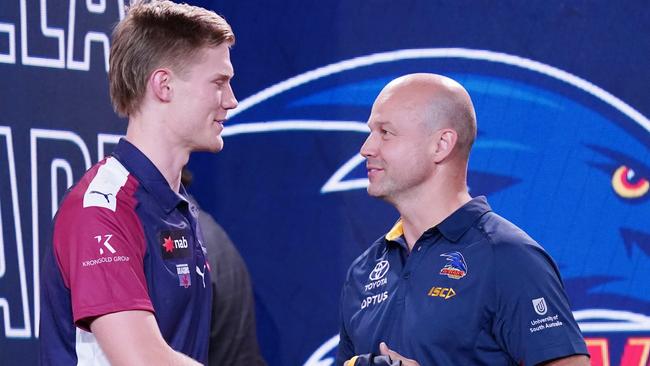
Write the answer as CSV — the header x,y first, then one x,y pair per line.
x,y
201,273
374,300
102,190
175,244
106,244
377,276
540,306
545,323
380,270
184,279
443,292
107,253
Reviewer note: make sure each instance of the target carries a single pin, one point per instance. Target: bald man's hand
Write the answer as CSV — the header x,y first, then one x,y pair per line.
x,y
385,351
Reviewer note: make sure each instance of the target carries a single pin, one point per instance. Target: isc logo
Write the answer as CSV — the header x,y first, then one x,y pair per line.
x,y
444,292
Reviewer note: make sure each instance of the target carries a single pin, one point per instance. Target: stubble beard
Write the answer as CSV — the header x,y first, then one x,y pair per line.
x,y
382,190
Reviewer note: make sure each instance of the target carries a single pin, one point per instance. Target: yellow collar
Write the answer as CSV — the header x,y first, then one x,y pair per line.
x,y
396,231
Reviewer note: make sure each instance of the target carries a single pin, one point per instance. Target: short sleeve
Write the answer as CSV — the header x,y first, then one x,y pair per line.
x,y
100,254
345,349
534,322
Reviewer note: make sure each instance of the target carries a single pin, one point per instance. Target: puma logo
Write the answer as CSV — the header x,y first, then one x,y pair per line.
x,y
103,194
201,273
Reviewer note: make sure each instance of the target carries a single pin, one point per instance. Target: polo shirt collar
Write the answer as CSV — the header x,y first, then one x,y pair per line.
x,y
396,231
455,225
148,175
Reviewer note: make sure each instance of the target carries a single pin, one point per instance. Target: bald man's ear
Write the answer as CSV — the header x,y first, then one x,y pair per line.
x,y
445,141
160,84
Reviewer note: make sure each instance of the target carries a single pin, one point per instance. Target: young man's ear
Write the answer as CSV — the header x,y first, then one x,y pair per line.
x,y
444,142
160,85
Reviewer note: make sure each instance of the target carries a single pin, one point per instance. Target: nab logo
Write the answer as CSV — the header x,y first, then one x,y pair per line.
x,y
170,244
540,306
174,244
380,270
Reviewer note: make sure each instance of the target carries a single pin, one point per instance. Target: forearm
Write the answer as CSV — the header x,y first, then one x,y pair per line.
x,y
168,357
133,338
183,360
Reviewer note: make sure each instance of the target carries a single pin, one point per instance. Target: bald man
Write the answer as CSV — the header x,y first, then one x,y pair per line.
x,y
451,283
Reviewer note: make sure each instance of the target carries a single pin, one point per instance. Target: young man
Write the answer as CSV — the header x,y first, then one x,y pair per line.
x,y
452,283
126,281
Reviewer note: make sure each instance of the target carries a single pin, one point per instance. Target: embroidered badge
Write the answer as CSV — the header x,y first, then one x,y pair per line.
x,y
456,268
184,279
175,244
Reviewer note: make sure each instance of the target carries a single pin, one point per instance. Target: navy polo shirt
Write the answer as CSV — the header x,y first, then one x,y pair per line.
x,y
475,290
124,240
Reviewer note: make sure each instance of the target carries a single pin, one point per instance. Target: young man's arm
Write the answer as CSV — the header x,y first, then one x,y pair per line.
x,y
133,338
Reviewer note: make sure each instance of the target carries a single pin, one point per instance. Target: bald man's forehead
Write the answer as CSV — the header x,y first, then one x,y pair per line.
x,y
394,101
404,98
398,109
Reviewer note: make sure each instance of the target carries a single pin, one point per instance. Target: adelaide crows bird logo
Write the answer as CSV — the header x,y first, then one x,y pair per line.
x,y
561,158
456,267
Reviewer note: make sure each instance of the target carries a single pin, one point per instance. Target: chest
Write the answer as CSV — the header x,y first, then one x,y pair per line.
x,y
423,299
175,265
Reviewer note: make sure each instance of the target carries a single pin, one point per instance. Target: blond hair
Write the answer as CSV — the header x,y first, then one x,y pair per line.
x,y
157,34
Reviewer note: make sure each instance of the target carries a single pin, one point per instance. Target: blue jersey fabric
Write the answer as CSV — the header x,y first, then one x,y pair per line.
x,y
475,290
130,245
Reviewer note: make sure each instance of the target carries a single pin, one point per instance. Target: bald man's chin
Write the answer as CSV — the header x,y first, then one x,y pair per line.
x,y
375,192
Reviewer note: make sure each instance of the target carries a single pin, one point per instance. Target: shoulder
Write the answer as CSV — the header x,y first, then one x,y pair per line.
x,y
367,259
104,195
501,232
105,184
98,215
515,254
507,239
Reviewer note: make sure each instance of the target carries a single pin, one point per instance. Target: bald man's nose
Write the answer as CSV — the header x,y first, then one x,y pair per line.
x,y
369,147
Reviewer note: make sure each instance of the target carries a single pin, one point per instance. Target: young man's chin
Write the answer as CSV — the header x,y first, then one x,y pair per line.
x,y
216,145
213,148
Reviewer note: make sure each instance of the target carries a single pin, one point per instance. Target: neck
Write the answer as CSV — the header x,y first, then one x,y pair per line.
x,y
159,147
433,203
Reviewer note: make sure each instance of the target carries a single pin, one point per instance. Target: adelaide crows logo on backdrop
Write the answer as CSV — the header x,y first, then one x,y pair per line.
x,y
560,157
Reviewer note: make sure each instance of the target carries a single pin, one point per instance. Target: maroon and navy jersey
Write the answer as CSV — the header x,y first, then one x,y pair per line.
x,y
124,240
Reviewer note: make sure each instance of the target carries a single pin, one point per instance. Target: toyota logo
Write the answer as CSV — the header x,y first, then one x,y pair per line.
x,y
379,271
